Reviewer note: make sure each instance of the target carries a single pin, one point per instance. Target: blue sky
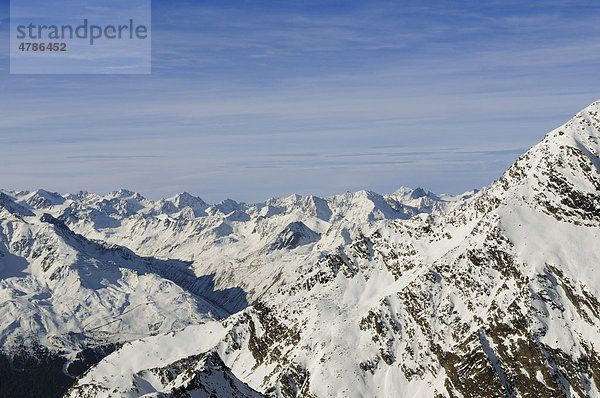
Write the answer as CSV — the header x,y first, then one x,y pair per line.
x,y
253,99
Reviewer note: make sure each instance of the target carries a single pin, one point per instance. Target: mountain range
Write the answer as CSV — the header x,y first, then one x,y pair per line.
x,y
485,294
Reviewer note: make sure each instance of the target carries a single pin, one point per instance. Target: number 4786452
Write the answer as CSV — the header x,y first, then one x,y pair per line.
x,y
43,47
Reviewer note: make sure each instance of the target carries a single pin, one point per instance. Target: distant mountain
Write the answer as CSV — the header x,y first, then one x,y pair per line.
x,y
490,293
82,274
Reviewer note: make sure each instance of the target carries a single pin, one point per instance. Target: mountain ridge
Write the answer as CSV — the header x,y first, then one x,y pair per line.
x,y
490,293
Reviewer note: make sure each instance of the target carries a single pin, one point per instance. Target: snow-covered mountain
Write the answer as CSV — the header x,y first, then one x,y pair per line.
x,y
81,274
490,293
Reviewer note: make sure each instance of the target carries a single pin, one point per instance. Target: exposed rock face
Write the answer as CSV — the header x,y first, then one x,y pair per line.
x,y
294,235
202,375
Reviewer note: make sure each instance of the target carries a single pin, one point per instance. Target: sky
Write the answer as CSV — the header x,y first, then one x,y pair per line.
x,y
256,99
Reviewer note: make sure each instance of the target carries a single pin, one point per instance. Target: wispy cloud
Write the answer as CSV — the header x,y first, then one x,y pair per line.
x,y
111,157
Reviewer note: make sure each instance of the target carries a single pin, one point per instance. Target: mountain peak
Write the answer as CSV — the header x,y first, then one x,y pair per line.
x,y
560,174
126,193
186,199
42,198
418,193
11,206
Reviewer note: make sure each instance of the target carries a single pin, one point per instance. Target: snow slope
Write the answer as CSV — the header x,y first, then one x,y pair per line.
x,y
62,290
170,369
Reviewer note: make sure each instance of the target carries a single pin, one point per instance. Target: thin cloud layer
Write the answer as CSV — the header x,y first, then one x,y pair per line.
x,y
251,101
